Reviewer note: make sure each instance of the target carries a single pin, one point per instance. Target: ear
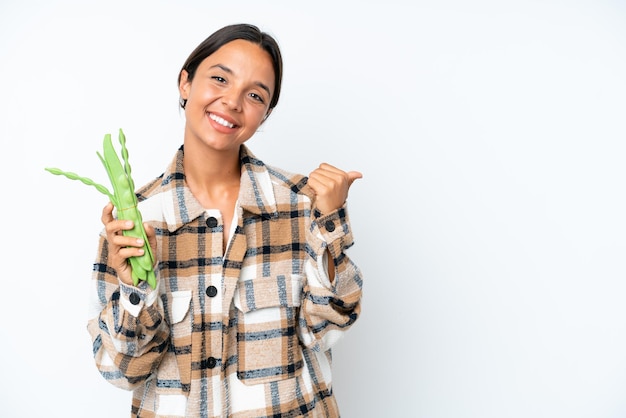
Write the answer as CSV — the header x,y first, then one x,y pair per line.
x,y
184,85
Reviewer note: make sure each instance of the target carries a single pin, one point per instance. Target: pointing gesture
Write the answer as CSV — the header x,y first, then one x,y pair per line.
x,y
330,186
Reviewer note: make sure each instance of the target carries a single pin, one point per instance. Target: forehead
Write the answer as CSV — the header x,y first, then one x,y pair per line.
x,y
243,58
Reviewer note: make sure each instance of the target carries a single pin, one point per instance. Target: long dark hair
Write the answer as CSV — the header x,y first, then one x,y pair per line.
x,y
230,33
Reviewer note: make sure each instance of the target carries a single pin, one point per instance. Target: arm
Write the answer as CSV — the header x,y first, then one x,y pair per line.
x,y
127,326
332,294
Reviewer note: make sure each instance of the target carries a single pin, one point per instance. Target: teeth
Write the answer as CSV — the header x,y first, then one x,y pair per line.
x,y
221,121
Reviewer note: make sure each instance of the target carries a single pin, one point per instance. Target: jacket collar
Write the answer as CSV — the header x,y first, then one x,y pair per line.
x,y
256,192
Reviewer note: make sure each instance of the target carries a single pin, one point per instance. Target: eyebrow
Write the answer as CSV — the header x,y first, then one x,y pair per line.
x,y
229,71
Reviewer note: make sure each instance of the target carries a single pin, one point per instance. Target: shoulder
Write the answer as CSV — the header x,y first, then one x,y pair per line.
x,y
149,189
156,193
289,182
283,181
171,177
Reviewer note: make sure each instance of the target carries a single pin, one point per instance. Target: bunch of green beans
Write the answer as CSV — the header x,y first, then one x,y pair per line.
x,y
125,201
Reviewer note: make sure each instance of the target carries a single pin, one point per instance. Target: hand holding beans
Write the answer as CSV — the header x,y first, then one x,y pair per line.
x,y
124,198
122,247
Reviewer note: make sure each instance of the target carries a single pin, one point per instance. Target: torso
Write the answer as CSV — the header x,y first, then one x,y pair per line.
x,y
226,206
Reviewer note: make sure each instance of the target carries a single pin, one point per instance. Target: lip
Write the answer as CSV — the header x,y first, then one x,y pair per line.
x,y
218,126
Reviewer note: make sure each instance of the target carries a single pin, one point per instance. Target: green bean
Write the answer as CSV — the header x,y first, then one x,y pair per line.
x,y
125,201
85,180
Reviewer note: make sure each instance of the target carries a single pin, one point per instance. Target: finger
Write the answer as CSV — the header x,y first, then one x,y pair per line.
x,y
329,167
324,176
124,241
327,176
353,175
327,172
319,182
128,252
116,226
107,213
331,170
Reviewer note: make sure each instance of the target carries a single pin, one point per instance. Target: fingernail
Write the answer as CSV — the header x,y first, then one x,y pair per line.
x,y
139,241
128,224
141,251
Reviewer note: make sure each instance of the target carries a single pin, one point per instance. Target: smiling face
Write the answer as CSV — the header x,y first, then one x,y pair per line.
x,y
228,97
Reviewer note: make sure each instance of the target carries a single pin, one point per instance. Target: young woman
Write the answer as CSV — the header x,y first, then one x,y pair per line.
x,y
254,285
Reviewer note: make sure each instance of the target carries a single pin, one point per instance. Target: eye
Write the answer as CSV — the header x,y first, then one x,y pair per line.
x,y
219,79
257,97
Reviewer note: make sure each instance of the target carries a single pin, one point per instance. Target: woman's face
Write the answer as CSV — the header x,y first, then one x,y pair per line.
x,y
229,96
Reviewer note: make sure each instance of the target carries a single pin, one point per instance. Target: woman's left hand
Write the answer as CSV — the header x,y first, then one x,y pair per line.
x,y
330,186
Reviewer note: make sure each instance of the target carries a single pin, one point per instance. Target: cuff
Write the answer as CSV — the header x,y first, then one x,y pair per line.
x,y
332,230
135,298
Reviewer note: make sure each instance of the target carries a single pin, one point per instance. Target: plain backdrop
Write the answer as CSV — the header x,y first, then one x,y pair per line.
x,y
490,223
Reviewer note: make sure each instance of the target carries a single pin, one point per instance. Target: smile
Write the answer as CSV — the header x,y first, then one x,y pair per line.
x,y
221,121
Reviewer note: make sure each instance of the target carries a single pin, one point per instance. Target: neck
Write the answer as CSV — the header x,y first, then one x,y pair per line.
x,y
211,173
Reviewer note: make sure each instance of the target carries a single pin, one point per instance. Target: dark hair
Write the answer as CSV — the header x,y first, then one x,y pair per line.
x,y
230,33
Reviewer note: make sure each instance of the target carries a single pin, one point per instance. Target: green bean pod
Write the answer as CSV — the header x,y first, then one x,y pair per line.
x,y
125,201
123,188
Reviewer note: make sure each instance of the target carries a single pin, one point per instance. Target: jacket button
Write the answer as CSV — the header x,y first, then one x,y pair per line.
x,y
134,298
211,291
330,226
211,222
211,362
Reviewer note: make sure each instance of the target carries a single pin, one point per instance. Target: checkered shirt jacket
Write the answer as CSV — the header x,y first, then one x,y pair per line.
x,y
245,332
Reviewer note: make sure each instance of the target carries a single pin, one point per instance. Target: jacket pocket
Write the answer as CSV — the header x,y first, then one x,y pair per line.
x,y
174,375
179,302
268,348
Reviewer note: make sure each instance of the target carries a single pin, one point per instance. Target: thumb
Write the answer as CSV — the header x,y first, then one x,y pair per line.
x,y
353,175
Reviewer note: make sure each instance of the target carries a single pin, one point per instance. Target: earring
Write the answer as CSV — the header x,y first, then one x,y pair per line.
x,y
182,102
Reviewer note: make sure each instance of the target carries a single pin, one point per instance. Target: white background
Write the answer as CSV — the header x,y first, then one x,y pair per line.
x,y
489,225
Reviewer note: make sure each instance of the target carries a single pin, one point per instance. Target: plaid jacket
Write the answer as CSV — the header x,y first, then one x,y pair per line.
x,y
241,333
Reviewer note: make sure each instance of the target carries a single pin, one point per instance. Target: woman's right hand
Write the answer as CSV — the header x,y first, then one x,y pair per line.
x,y
121,247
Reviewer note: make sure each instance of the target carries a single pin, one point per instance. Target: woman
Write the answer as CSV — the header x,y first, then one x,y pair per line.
x,y
254,285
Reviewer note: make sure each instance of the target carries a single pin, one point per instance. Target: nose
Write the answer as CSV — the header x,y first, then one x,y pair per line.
x,y
232,99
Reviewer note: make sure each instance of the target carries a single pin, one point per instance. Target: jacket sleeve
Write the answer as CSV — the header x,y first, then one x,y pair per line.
x,y
329,308
127,326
